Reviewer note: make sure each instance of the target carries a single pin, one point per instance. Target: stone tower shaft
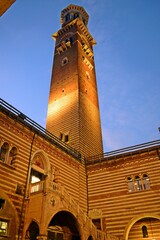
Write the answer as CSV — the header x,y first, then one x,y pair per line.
x,y
73,108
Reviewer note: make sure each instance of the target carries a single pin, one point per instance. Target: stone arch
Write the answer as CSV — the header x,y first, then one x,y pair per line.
x,y
39,171
43,161
32,231
135,219
58,200
29,222
90,238
68,224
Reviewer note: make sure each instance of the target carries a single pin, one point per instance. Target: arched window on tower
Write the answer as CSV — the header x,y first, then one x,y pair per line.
x,y
144,231
67,17
130,184
145,179
138,183
71,40
76,15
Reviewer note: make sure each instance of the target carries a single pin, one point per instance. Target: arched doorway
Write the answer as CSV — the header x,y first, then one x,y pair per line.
x,y
32,231
90,238
63,226
145,228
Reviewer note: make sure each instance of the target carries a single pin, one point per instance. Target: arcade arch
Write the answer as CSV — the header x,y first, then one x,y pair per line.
x,y
63,226
144,224
32,231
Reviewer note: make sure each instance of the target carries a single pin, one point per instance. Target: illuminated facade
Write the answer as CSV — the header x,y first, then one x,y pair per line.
x,y
52,186
73,109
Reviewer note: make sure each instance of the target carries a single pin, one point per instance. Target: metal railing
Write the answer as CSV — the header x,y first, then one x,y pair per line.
x,y
38,129
122,152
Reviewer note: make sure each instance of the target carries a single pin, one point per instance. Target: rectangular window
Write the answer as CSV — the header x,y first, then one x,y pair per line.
x,y
66,138
2,202
97,223
3,227
61,136
19,189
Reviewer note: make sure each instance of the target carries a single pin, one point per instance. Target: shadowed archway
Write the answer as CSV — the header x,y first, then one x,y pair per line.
x,y
142,226
63,226
90,238
32,231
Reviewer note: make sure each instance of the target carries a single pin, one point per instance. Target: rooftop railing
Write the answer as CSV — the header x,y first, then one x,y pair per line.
x,y
122,152
36,128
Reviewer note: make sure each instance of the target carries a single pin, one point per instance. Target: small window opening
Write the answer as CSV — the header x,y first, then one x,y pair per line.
x,y
4,152
66,139
67,17
130,184
144,232
2,202
71,40
146,184
76,15
12,155
97,223
19,189
64,61
87,75
3,227
37,181
138,183
36,176
61,136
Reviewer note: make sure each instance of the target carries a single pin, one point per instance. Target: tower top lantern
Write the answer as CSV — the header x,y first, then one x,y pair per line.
x,y
72,12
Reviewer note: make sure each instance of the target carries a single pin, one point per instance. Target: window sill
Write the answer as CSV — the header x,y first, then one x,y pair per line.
x,y
3,236
7,165
137,191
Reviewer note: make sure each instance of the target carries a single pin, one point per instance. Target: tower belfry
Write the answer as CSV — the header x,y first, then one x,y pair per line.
x,y
73,108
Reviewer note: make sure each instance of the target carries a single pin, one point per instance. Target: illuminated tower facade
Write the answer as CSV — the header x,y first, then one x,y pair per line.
x,y
73,108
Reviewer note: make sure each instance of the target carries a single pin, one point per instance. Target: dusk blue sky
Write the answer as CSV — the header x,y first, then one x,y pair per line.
x,y
127,58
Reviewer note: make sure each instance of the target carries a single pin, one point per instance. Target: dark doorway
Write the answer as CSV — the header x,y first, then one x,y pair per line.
x,y
33,231
90,238
63,226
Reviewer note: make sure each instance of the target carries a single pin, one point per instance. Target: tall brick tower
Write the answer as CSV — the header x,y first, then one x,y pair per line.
x,y
73,108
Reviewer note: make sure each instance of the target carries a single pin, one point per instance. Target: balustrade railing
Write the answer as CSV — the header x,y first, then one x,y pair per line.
x,y
37,187
73,205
